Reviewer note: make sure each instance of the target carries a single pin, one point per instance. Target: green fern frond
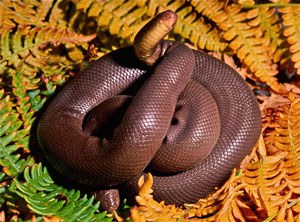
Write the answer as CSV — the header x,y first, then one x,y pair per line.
x,y
248,47
9,129
290,16
26,105
3,188
46,198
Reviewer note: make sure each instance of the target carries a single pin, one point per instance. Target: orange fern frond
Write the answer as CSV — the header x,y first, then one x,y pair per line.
x,y
57,17
199,32
125,20
208,8
250,49
220,204
284,140
210,206
24,13
151,210
230,211
280,1
288,140
290,16
267,25
263,179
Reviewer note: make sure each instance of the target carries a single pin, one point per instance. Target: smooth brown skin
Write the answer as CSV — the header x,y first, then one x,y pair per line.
x,y
190,119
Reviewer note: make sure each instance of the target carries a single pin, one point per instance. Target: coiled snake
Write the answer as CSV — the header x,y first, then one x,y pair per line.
x,y
189,119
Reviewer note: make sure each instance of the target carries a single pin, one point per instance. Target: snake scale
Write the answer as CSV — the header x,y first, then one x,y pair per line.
x,y
158,106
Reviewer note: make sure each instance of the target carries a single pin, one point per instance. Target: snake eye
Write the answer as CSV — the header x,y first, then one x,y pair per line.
x,y
174,121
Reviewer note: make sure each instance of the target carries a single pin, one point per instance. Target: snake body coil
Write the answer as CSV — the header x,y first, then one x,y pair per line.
x,y
190,118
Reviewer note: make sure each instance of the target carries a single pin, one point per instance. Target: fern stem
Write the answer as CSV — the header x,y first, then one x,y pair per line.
x,y
271,5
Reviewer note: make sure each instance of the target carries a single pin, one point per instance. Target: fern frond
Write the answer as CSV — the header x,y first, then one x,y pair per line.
x,y
3,189
26,105
290,16
41,12
9,18
24,13
288,140
195,29
33,44
151,210
9,132
57,17
266,22
249,48
33,13
208,8
16,122
246,210
46,198
230,211
264,180
215,206
284,138
214,203
125,20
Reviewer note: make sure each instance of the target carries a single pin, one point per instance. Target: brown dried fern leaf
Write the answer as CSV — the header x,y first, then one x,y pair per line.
x,y
250,48
290,16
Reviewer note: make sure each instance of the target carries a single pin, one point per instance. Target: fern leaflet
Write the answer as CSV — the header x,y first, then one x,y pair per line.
x,y
9,132
38,48
292,32
249,48
44,197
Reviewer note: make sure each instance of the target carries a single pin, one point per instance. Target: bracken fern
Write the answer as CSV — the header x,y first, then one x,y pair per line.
x,y
44,43
46,198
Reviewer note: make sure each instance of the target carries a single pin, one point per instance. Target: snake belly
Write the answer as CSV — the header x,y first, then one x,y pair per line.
x,y
123,157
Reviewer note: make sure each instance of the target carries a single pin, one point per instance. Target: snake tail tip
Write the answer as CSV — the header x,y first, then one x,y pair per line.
x,y
169,18
146,42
